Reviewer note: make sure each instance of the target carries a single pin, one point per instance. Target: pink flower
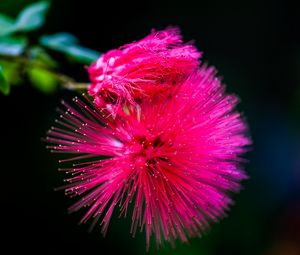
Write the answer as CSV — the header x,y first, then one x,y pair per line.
x,y
142,69
176,161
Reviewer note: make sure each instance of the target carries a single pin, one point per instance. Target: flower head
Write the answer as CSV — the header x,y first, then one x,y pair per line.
x,y
176,160
144,68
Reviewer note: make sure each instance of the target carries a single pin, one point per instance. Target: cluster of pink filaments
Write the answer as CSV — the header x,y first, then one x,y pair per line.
x,y
175,158
142,70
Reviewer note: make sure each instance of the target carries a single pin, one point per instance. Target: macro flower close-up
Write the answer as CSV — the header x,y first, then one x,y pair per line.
x,y
176,161
156,128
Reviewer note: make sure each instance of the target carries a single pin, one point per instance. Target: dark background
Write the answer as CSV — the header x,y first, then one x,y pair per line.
x,y
255,45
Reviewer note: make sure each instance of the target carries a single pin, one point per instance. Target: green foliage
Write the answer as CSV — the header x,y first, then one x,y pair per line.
x,y
40,57
19,56
81,54
58,40
32,17
4,85
7,25
11,72
68,44
12,45
43,80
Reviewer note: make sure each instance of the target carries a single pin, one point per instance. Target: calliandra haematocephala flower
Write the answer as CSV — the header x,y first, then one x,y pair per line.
x,y
143,69
176,161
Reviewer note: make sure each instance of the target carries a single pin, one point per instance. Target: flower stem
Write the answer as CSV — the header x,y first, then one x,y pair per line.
x,y
65,81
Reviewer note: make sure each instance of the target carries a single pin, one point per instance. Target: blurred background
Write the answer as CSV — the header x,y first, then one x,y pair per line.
x,y
255,45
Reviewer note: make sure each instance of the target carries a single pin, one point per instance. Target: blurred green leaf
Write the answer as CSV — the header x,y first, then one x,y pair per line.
x,y
7,25
32,16
12,46
58,41
4,85
43,80
40,57
68,44
82,54
11,71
